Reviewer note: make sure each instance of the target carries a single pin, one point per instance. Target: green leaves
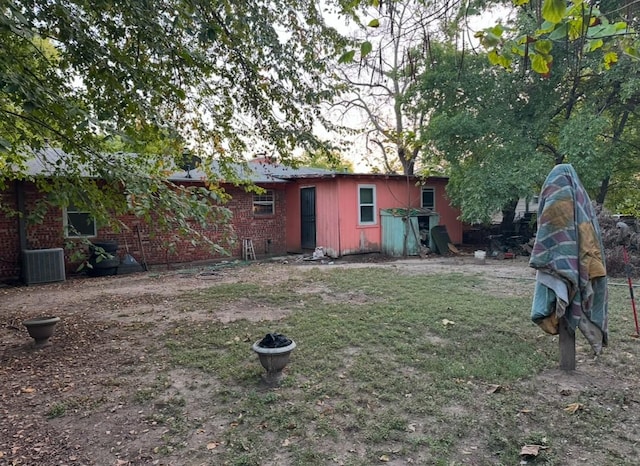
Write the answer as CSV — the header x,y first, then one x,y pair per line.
x,y
594,45
605,29
539,64
219,77
365,48
554,10
491,37
543,46
572,22
559,33
347,57
501,60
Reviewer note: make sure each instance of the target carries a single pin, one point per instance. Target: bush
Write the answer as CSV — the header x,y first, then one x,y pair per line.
x,y
614,244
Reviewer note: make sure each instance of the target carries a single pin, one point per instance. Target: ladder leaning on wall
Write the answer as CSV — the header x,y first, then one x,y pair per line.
x,y
248,253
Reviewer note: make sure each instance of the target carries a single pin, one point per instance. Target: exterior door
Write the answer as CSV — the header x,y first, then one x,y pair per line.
x,y
308,218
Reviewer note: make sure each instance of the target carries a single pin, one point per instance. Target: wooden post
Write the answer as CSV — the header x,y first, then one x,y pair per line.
x,y
567,346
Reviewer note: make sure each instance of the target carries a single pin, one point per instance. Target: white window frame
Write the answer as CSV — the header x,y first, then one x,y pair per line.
x,y
69,232
433,192
374,221
266,199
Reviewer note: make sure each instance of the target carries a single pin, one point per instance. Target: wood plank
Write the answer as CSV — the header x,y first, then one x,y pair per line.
x,y
567,346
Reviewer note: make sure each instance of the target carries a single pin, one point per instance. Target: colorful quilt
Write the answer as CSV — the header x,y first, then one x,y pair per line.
x,y
569,258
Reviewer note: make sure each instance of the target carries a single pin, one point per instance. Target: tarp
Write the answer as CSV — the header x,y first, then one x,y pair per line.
x,y
569,258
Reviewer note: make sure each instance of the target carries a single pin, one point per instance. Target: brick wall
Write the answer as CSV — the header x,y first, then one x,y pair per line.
x,y
9,239
139,238
266,233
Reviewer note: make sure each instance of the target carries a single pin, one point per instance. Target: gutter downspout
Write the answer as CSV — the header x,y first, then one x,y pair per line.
x,y
22,231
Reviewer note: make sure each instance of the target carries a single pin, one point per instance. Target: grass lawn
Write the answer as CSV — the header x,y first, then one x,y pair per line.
x,y
390,368
424,369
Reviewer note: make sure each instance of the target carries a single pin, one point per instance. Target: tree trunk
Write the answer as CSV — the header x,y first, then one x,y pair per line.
x,y
408,163
508,216
602,192
604,185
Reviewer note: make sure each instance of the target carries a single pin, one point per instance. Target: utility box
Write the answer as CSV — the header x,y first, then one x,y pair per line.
x,y
406,231
43,265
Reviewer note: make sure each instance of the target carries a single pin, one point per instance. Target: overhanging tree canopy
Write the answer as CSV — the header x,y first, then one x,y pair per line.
x,y
589,52
160,76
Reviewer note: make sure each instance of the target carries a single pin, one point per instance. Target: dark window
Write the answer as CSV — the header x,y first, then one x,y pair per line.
x,y
429,198
79,223
366,202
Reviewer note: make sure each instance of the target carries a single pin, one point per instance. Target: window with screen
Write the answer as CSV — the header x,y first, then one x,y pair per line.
x,y
263,204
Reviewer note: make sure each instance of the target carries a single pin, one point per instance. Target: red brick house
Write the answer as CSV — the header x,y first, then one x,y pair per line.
x,y
300,209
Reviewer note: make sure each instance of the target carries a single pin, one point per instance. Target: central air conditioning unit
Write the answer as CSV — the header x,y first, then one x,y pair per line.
x,y
43,265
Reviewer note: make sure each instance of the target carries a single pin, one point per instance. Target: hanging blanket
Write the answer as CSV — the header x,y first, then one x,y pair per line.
x,y
569,258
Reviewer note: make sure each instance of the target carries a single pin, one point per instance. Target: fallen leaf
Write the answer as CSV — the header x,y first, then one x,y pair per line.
x,y
494,389
531,450
447,322
574,407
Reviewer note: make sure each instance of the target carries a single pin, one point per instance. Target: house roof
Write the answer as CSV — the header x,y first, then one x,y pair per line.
x,y
48,161
45,161
257,171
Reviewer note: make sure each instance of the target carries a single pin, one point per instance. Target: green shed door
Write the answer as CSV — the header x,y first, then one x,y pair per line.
x,y
396,230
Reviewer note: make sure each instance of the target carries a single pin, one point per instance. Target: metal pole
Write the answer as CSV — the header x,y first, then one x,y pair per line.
x,y
624,237
627,269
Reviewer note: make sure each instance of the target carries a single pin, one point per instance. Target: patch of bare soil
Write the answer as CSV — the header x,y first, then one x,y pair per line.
x,y
100,354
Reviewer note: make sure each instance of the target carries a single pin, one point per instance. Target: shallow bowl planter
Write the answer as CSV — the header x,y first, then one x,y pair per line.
x,y
273,360
41,329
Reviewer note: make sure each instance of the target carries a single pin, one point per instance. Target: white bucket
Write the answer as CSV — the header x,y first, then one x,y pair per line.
x,y
480,256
